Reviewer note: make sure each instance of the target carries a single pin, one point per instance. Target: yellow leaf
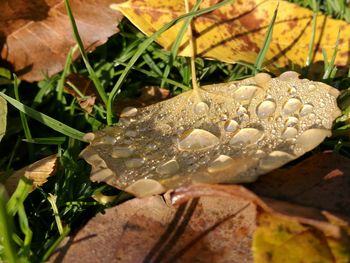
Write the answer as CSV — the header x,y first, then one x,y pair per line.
x,y
236,31
278,239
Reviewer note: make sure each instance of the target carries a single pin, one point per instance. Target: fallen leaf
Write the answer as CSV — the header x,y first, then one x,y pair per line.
x,y
87,92
226,133
3,115
208,223
38,172
33,31
321,181
209,229
236,31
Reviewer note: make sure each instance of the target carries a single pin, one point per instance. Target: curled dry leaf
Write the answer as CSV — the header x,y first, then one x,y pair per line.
x,y
3,117
236,31
225,133
33,31
87,91
38,172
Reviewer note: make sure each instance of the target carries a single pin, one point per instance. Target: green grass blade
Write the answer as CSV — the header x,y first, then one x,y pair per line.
x,y
28,234
6,230
144,46
266,45
91,71
47,141
177,42
23,117
55,244
60,84
312,38
48,121
330,67
23,188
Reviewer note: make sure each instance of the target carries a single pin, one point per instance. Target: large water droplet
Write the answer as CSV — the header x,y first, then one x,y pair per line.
x,y
245,93
145,187
291,106
266,109
197,139
134,162
128,112
289,75
168,168
220,164
289,132
247,136
106,140
262,79
292,121
121,152
89,137
201,108
309,139
306,110
274,160
231,125
241,110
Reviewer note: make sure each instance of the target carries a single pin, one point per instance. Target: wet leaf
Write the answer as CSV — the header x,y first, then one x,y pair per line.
x,y
236,31
33,31
38,172
3,115
226,133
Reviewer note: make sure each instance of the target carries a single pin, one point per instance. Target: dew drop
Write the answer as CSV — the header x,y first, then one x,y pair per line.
x,y
241,110
275,159
134,162
128,112
220,164
292,90
201,108
262,79
245,93
145,187
292,121
247,136
121,152
291,106
106,140
168,168
309,139
89,137
289,132
197,139
231,125
312,87
131,133
266,109
306,110
288,75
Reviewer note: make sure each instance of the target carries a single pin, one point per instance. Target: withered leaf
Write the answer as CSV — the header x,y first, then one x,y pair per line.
x,y
236,31
209,223
231,132
33,31
38,172
209,229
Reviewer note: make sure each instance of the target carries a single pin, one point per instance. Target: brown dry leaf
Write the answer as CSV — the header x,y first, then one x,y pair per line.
x,y
38,172
88,93
209,229
35,36
236,31
230,132
211,223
